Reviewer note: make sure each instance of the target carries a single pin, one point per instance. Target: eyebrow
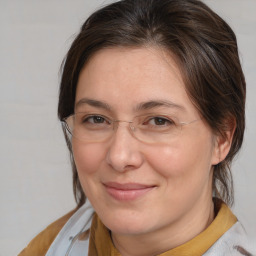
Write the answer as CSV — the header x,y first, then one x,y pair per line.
x,y
158,103
93,103
147,105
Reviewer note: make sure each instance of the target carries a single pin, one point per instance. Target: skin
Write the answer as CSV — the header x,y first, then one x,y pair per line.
x,y
179,206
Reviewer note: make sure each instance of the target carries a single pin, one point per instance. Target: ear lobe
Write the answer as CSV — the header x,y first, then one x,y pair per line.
x,y
223,143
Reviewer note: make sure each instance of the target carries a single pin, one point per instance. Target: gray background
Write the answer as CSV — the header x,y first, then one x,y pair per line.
x,y
35,181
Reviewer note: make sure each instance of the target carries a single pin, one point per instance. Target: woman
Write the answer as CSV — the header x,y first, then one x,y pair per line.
x,y
152,102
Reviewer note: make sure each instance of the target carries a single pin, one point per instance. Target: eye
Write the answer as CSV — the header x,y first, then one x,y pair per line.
x,y
159,121
94,120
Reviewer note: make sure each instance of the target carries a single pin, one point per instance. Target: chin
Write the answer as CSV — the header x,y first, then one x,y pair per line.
x,y
126,223
128,229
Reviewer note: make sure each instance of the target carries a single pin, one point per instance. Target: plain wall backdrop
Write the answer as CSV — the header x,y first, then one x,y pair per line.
x,y
35,177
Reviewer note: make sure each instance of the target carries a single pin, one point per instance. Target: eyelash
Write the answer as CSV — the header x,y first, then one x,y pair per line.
x,y
87,118
147,120
163,119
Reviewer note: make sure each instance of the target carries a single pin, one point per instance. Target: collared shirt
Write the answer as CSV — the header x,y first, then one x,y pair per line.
x,y
224,236
101,242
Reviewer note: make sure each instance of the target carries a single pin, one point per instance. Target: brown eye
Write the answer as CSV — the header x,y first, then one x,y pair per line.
x,y
160,121
98,119
94,120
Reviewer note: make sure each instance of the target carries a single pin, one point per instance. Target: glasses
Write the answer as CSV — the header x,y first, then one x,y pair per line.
x,y
149,128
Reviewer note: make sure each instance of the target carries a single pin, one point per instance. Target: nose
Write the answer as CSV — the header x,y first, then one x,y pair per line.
x,y
123,153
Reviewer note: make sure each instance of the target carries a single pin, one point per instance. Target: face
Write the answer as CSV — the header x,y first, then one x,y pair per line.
x,y
135,187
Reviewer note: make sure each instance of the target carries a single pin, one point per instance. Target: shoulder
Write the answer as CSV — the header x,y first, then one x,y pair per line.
x,y
233,242
40,244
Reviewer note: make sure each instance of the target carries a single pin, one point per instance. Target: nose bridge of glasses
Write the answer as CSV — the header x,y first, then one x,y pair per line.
x,y
116,124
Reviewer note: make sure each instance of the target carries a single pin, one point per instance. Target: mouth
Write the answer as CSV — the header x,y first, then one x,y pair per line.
x,y
127,191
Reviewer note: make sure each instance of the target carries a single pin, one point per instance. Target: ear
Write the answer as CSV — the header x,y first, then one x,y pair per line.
x,y
223,141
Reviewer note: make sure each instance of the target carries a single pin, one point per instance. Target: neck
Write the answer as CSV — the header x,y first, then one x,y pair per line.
x,y
168,237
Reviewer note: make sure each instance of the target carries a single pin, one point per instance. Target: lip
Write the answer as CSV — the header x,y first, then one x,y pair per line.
x,y
127,191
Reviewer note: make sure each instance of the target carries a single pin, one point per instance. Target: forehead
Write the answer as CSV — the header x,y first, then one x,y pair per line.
x,y
125,77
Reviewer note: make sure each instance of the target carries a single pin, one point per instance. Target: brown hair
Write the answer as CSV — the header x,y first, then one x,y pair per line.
x,y
205,47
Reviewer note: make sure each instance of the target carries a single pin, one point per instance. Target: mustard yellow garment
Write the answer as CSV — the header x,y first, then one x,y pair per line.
x,y
41,243
101,243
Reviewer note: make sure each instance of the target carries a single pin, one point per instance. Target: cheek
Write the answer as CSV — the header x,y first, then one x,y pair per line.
x,y
87,157
166,162
185,159
185,171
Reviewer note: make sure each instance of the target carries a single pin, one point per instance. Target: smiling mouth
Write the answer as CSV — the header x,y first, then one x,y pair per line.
x,y
127,191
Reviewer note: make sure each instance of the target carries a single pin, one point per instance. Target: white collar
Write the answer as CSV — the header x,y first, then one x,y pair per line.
x,y
66,242
229,243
